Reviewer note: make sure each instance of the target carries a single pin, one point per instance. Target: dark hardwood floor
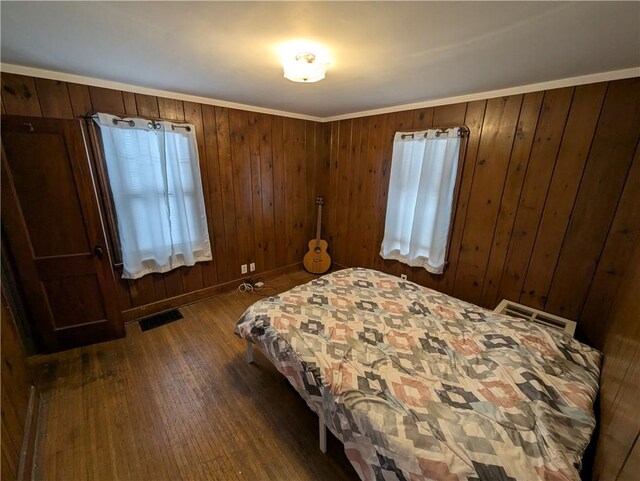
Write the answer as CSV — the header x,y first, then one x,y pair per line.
x,y
179,402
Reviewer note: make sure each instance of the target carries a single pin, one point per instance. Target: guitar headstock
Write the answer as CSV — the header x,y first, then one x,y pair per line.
x,y
320,200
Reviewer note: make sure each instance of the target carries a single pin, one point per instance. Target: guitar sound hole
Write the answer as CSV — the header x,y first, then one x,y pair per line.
x,y
317,250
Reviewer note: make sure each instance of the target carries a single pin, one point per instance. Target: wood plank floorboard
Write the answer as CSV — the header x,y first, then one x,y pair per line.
x,y
179,402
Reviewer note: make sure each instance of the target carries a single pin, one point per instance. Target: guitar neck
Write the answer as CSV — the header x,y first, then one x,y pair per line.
x,y
318,224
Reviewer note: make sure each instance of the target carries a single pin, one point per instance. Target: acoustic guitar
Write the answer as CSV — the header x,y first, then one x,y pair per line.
x,y
317,261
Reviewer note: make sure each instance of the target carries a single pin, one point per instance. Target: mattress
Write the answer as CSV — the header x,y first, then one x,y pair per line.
x,y
424,386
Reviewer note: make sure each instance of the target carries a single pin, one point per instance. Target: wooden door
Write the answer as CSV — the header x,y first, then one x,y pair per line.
x,y
53,230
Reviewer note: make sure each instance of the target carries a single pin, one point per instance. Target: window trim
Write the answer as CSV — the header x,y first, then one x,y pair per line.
x,y
106,197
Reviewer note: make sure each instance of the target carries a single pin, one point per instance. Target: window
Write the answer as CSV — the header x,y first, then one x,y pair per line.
x,y
424,168
154,177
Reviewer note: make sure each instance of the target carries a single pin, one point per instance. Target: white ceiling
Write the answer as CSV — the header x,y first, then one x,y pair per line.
x,y
384,53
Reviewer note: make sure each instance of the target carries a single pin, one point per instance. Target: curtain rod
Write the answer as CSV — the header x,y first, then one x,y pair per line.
x,y
152,124
463,131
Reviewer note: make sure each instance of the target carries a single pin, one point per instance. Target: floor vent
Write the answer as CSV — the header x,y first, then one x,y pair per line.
x,y
159,319
514,309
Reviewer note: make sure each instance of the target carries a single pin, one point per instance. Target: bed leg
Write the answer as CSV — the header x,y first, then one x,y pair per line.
x,y
323,433
249,352
322,426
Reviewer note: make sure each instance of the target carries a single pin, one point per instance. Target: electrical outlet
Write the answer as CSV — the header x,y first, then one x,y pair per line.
x,y
252,266
243,269
403,276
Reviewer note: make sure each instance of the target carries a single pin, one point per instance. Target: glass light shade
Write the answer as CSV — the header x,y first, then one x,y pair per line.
x,y
304,68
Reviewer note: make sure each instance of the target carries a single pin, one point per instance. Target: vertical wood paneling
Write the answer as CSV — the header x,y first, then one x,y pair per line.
x,y
217,225
16,382
171,109
578,135
373,156
622,237
302,196
620,380
474,120
631,468
498,132
607,168
331,208
279,182
122,289
310,162
449,115
147,105
80,99
107,100
340,238
322,171
256,192
296,193
518,163
360,138
129,100
296,176
423,118
145,290
227,192
19,96
267,191
241,172
54,99
553,115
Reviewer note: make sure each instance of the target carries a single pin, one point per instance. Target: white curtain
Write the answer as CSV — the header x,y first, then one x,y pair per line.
x,y
423,177
154,174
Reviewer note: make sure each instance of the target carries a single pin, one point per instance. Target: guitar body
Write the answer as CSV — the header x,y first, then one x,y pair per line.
x,y
317,261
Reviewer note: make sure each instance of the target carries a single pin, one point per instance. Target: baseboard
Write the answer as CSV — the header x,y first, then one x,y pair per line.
x,y
27,452
131,315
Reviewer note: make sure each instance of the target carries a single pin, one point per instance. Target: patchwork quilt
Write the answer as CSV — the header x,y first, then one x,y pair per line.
x,y
424,386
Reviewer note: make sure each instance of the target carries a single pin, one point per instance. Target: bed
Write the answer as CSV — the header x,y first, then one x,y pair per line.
x,y
420,385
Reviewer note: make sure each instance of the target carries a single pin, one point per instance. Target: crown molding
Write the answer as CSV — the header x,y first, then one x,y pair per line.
x,y
95,82
522,89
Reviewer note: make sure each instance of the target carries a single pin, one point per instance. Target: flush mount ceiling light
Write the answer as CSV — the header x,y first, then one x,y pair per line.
x,y
303,61
304,67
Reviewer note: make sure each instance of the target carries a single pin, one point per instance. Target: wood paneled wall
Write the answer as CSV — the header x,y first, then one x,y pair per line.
x,y
548,205
255,172
547,208
618,452
16,388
